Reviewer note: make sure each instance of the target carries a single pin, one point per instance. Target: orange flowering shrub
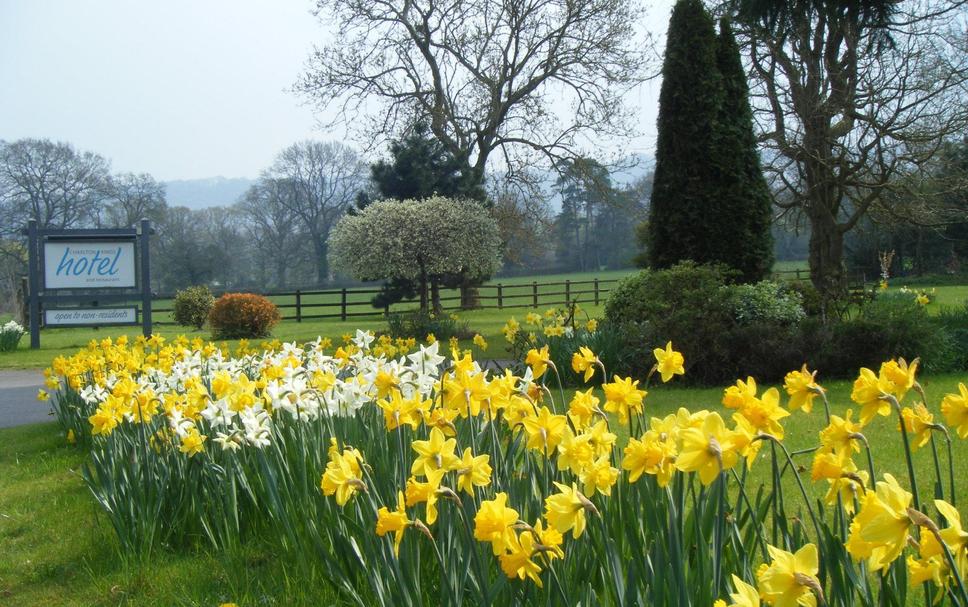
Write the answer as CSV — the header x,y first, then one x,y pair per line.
x,y
242,315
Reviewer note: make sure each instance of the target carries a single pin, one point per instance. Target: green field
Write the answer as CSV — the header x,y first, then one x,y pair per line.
x,y
56,550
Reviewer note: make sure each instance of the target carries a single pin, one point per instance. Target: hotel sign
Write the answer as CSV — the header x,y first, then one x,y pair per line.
x,y
89,264
83,317
88,277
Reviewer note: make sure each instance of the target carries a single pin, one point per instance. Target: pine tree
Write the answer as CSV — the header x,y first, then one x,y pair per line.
x,y
419,168
685,189
744,208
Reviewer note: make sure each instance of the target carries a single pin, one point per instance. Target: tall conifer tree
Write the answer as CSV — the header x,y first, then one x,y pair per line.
x,y
744,206
685,188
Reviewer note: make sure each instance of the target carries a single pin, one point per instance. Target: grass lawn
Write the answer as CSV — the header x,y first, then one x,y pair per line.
x,y
56,550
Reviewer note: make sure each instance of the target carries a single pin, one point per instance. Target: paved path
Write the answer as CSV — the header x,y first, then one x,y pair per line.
x,y
18,398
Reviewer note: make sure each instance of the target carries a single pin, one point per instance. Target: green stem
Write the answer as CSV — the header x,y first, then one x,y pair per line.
x,y
907,450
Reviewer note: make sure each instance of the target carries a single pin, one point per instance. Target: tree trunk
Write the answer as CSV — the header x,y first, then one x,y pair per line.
x,y
320,248
423,288
435,297
281,266
827,257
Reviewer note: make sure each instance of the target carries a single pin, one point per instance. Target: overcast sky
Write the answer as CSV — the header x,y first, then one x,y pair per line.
x,y
181,89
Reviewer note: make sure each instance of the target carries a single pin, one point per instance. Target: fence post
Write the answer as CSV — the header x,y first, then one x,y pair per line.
x,y
144,239
567,292
596,291
342,304
298,305
534,293
33,276
500,296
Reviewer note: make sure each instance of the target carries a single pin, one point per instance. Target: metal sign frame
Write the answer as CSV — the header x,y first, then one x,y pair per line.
x,y
41,296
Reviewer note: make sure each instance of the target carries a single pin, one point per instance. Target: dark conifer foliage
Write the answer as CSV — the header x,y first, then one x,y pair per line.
x,y
420,167
745,204
710,202
684,192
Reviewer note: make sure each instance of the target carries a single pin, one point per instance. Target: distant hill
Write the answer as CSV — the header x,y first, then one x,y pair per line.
x,y
224,191
204,193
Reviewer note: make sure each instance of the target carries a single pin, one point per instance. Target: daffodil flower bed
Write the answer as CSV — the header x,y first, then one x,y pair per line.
x,y
403,477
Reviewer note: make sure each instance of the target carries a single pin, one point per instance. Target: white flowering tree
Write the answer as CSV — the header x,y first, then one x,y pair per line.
x,y
427,242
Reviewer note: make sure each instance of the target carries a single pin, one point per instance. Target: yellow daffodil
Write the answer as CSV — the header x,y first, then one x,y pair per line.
x,y
473,471
669,362
652,454
545,430
790,579
881,529
538,361
399,411
517,562
953,536
395,522
900,375
745,595
479,341
599,476
494,523
343,476
193,443
584,361
434,454
764,413
918,423
582,407
923,570
841,434
736,396
707,450
623,397
575,452
565,510
870,392
954,408
802,388
425,492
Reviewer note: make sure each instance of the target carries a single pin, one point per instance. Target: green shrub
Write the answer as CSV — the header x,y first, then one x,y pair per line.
x,y
192,306
684,304
890,326
242,315
727,331
418,324
954,324
764,302
810,297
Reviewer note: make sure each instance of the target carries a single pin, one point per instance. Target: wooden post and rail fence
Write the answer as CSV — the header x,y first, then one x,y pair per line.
x,y
355,302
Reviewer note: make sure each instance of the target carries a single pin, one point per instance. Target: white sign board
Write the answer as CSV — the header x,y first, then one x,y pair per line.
x,y
89,264
90,316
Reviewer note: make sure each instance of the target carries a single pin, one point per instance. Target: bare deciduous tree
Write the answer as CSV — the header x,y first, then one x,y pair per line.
x,y
133,198
50,182
486,75
845,106
273,228
323,180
